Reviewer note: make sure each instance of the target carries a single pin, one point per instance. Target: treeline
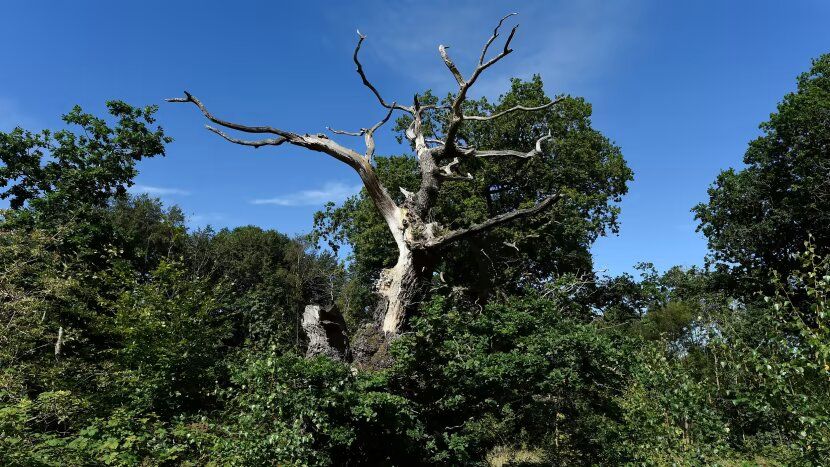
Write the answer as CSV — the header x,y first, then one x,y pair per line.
x,y
130,339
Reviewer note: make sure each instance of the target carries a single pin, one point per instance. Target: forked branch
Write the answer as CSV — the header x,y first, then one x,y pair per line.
x,y
318,143
367,133
447,173
370,134
492,38
457,116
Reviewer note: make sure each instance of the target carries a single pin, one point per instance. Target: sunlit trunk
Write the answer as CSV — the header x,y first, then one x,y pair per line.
x,y
402,288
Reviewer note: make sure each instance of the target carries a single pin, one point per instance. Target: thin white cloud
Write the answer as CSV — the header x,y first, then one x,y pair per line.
x,y
202,219
157,190
568,43
331,191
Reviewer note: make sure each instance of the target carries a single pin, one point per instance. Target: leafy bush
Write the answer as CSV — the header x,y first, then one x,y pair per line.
x,y
526,373
284,409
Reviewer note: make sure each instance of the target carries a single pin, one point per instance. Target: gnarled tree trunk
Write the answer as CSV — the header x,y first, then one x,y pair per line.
x,y
402,289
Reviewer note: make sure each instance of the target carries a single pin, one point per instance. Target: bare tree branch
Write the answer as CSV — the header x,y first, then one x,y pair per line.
x,y
507,50
447,173
319,143
406,193
367,133
369,84
492,38
508,152
234,126
491,223
370,134
456,177
482,118
447,169
441,142
383,121
347,133
410,131
442,49
418,137
255,143
457,115
504,152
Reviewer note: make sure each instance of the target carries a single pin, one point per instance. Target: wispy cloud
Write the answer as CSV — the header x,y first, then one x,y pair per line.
x,y
566,42
202,219
157,190
331,191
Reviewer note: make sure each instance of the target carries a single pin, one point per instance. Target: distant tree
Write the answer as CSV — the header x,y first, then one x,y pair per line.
x,y
67,168
267,278
446,145
147,231
757,218
68,179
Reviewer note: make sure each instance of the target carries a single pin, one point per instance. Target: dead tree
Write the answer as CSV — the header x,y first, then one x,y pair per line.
x,y
420,241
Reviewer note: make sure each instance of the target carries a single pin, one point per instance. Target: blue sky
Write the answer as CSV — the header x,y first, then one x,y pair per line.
x,y
680,86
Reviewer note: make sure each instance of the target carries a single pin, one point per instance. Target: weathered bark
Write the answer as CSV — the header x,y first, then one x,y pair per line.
x,y
403,288
420,241
326,332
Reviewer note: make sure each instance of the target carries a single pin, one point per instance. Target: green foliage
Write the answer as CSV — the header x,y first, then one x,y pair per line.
x,y
757,217
783,371
667,416
750,379
522,374
123,438
283,409
172,333
62,168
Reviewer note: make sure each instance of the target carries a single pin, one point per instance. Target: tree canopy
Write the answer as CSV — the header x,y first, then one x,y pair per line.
x,y
758,217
